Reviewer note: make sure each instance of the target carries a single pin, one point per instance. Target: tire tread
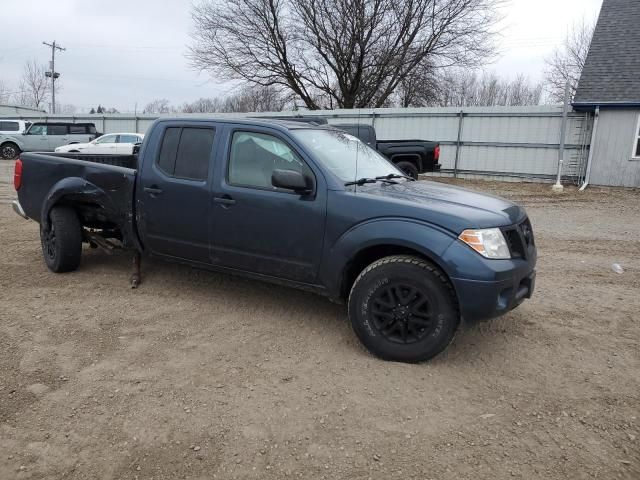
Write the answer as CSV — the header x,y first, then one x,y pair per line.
x,y
424,265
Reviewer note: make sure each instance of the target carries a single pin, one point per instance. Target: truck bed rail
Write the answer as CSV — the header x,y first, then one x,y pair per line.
x,y
126,161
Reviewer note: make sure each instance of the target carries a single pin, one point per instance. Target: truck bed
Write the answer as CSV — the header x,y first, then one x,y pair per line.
x,y
100,187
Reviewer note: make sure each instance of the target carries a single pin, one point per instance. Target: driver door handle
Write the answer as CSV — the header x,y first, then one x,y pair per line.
x,y
224,201
153,190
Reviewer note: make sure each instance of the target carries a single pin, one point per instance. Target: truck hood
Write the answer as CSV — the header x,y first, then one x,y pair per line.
x,y
453,208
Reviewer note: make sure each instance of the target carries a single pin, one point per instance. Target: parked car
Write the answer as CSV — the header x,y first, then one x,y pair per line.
x,y
46,137
411,156
110,144
13,127
277,201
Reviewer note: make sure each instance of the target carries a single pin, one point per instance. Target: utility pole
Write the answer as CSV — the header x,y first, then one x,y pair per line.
x,y
52,73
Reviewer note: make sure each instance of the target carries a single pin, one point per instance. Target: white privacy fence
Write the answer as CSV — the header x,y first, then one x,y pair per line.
x,y
502,142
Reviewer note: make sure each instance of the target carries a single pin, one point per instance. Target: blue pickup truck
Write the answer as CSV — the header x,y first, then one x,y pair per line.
x,y
303,205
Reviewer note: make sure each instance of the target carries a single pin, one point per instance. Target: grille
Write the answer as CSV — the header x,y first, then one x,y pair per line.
x,y
519,238
527,232
515,242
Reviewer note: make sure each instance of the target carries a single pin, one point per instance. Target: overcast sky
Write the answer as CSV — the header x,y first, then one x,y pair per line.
x,y
126,52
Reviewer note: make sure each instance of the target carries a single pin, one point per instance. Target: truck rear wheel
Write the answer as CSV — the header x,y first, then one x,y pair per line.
x,y
403,308
409,169
9,151
62,240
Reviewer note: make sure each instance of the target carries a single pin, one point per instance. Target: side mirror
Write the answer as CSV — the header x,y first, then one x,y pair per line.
x,y
290,180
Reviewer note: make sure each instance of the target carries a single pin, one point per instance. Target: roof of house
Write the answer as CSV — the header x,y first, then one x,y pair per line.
x,y
611,75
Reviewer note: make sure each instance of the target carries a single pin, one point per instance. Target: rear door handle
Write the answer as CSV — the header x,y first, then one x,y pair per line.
x,y
226,200
153,190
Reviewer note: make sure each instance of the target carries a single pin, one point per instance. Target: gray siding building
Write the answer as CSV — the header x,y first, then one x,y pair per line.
x,y
610,88
18,111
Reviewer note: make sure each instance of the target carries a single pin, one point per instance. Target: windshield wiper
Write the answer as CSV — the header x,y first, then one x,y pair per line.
x,y
362,181
395,175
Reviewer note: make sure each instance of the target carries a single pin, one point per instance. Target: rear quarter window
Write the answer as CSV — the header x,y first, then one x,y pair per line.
x,y
9,126
77,129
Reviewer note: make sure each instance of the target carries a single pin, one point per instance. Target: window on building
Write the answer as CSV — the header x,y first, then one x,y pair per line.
x,y
636,142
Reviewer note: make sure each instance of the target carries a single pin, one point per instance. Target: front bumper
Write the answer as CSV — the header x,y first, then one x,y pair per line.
x,y
489,288
480,300
18,209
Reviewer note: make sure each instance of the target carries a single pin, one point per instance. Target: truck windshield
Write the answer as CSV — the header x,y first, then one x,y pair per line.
x,y
345,155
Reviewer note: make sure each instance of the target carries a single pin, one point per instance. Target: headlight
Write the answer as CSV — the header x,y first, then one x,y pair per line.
x,y
489,242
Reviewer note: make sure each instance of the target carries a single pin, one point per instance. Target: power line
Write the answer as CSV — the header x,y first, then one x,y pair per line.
x,y
53,74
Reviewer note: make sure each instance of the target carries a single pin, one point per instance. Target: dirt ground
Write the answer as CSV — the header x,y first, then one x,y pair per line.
x,y
200,375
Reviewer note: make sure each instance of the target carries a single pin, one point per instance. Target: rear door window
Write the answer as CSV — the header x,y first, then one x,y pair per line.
x,y
57,130
128,139
185,152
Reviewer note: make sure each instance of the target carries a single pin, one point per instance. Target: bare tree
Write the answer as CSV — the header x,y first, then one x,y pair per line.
x,y
339,53
468,89
5,92
33,88
66,108
160,105
419,88
202,105
567,61
255,99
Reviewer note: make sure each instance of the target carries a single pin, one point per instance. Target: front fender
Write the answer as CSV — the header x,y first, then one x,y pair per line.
x,y
428,240
12,139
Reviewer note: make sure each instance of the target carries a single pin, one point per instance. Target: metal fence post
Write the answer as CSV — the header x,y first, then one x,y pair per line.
x,y
458,144
563,133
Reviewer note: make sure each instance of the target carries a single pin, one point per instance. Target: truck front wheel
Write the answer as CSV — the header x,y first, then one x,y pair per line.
x,y
9,151
403,308
62,240
409,169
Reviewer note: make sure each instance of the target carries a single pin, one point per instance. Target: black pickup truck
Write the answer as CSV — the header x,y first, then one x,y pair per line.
x,y
302,205
411,156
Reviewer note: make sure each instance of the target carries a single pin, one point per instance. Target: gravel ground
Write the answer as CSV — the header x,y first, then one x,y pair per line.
x,y
200,375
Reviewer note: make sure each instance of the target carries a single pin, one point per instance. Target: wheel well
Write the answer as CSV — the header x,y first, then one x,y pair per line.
x,y
415,159
91,214
369,255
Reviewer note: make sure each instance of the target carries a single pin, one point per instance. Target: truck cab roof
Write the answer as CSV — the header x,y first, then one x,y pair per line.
x,y
286,124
